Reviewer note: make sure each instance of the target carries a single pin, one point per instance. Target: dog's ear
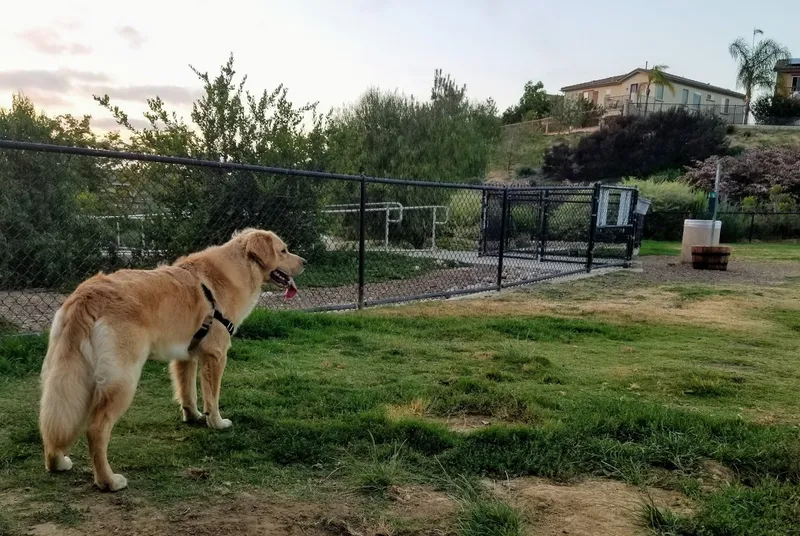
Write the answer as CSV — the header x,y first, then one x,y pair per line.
x,y
260,248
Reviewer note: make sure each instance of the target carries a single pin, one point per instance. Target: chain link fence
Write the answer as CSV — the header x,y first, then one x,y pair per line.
x,y
737,226
67,213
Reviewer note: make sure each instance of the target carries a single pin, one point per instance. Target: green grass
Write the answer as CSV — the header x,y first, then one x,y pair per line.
x,y
314,399
339,268
747,251
490,518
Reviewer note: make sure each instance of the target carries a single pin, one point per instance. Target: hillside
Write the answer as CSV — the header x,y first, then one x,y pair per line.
x,y
522,149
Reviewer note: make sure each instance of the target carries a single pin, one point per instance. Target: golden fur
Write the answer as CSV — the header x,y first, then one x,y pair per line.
x,y
106,330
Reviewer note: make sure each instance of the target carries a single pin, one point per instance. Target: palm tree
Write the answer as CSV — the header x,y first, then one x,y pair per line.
x,y
755,65
657,75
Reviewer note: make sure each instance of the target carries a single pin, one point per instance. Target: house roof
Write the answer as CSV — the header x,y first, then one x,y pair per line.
x,y
612,80
787,65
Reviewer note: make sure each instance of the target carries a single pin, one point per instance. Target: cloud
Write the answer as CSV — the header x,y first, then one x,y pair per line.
x,y
48,41
131,35
109,123
57,81
53,87
171,94
46,99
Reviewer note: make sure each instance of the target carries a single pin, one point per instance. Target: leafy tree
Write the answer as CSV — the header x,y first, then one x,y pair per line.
x,y
446,139
657,75
192,207
534,103
47,235
776,110
755,65
576,112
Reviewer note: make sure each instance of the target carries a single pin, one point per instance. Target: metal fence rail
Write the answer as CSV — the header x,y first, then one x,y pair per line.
x,y
67,213
737,225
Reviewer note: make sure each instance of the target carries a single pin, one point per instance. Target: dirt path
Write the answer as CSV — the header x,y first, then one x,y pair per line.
x,y
585,508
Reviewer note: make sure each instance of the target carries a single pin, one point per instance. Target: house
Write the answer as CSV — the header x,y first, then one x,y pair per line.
x,y
626,94
787,81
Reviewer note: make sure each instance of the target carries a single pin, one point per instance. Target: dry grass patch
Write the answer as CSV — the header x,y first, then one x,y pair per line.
x,y
586,508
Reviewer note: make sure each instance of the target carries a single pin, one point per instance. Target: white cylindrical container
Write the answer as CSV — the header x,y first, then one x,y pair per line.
x,y
697,233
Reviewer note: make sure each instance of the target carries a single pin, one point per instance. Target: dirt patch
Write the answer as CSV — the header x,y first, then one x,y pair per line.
x,y
249,513
715,476
669,269
586,508
434,511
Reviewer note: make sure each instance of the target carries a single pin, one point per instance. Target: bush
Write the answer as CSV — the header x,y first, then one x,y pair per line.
x,y
197,207
776,110
47,237
446,139
569,222
639,146
754,173
670,204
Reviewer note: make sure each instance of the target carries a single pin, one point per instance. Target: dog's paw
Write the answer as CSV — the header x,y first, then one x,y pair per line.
x,y
220,424
63,464
117,483
190,416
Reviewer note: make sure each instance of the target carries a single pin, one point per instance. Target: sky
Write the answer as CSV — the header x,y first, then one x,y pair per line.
x,y
61,52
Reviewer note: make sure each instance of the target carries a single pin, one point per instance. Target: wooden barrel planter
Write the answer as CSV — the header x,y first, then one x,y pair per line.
x,y
710,257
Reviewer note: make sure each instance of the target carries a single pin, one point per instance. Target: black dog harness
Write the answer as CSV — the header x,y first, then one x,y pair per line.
x,y
215,315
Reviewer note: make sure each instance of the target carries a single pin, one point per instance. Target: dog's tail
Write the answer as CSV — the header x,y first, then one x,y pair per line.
x,y
67,382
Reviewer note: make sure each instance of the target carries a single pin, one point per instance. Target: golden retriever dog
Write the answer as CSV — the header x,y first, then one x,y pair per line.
x,y
184,313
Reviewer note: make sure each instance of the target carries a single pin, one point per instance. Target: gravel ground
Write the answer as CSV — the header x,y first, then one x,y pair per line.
x,y
33,310
664,269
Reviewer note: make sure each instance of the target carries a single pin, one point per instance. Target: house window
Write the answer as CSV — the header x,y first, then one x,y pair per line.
x,y
587,95
685,96
795,83
725,105
660,92
634,92
696,100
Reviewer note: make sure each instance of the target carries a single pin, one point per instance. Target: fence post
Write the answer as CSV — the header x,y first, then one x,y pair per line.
x,y
593,227
543,203
752,224
501,252
633,221
362,247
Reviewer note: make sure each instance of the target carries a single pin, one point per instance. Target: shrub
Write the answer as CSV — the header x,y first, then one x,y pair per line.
x,y
47,238
754,173
776,110
446,139
670,204
639,146
229,124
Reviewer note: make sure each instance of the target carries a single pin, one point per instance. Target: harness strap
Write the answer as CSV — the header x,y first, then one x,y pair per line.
x,y
215,315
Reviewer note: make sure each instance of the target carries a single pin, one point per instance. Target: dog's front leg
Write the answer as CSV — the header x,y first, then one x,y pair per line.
x,y
213,366
184,380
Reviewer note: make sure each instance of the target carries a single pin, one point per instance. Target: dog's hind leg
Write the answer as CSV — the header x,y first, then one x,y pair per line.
x,y
121,356
109,404
211,381
184,380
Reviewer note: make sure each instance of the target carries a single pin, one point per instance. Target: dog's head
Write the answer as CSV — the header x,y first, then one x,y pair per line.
x,y
272,257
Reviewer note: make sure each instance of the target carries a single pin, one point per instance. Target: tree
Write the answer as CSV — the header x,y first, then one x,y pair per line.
x,y
48,235
657,75
776,110
192,207
755,64
535,103
387,134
